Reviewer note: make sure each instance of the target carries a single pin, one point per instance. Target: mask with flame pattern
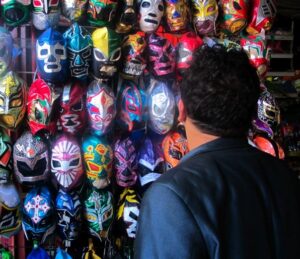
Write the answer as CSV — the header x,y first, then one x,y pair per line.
x,y
106,52
188,44
99,212
127,16
5,157
130,105
66,162
235,15
51,53
79,48
161,55
10,217
205,14
6,50
69,211
128,211
72,108
101,107
176,15
74,9
15,12
13,97
101,12
150,15
262,14
133,54
257,52
161,105
175,146
45,14
98,158
40,107
125,162
31,159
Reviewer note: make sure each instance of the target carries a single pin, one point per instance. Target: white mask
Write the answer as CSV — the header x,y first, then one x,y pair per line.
x,y
151,12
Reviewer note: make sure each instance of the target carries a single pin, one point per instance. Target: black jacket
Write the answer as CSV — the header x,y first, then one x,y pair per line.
x,y
226,199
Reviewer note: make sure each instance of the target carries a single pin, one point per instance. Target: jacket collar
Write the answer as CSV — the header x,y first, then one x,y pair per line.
x,y
217,144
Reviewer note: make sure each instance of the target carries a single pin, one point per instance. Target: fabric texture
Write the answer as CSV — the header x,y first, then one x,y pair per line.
x,y
225,200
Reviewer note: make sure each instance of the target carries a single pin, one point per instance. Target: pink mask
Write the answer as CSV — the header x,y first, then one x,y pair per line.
x,y
72,112
66,162
161,55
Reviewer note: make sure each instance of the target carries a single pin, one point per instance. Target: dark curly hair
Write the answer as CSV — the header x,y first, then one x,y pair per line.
x,y
220,91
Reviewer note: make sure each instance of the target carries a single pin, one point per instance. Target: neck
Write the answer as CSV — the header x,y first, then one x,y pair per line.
x,y
195,136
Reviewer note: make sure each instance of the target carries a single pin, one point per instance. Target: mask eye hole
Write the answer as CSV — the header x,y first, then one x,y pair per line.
x,y
74,162
86,53
59,52
161,8
210,8
99,55
44,52
56,164
77,106
116,55
145,4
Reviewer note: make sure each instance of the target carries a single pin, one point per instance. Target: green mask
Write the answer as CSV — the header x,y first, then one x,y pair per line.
x,y
15,12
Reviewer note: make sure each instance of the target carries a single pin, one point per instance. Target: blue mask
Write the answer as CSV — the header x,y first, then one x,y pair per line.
x,y
51,53
79,47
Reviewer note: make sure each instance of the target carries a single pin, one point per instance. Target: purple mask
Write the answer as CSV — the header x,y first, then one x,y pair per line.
x,y
161,55
125,163
66,162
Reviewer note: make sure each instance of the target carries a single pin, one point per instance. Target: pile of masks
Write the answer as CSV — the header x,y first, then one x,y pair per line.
x,y
99,122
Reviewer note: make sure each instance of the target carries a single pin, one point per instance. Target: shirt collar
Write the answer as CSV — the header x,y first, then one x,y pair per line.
x,y
217,144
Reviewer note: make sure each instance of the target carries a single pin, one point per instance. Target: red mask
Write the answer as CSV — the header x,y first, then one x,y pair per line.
x,y
262,15
185,49
73,113
40,107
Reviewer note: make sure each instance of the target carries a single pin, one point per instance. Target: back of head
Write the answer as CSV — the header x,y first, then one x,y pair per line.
x,y
220,91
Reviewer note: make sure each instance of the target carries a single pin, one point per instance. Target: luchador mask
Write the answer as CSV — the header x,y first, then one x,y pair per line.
x,y
205,14
106,52
5,157
269,146
74,9
128,16
40,104
175,146
256,49
98,158
188,44
31,159
260,126
15,12
6,49
151,162
66,162
45,14
130,106
177,15
161,56
263,13
133,48
69,212
13,97
101,12
128,211
125,163
235,15
101,107
99,212
10,218
72,108
161,105
268,110
51,52
151,12
38,214
79,48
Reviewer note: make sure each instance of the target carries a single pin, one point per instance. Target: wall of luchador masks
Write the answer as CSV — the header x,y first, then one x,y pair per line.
x,y
94,122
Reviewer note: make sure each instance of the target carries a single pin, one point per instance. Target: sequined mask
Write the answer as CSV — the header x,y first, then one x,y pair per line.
x,y
176,15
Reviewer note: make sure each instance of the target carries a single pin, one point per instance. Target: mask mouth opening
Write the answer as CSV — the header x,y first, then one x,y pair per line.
x,y
151,21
